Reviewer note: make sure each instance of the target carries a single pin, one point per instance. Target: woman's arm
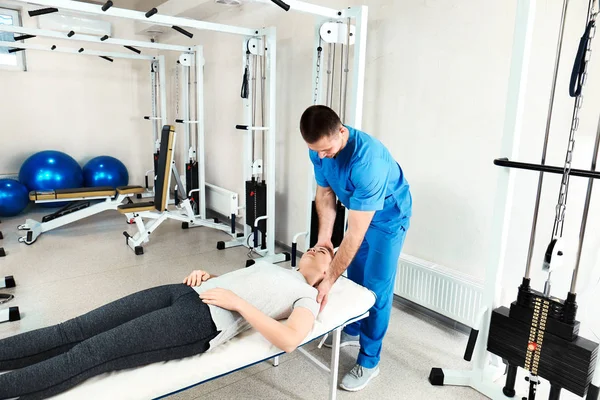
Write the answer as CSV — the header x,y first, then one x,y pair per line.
x,y
286,336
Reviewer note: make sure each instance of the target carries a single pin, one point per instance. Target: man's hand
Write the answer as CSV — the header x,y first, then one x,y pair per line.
x,y
196,278
325,243
323,288
222,298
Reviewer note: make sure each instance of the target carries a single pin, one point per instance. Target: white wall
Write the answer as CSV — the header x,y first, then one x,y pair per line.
x,y
436,86
82,105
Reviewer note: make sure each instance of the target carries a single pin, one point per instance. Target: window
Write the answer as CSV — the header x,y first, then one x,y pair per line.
x,y
10,60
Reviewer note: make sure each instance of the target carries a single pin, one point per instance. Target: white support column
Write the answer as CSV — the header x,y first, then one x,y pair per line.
x,y
479,377
360,56
513,124
200,153
271,54
162,72
316,98
247,164
185,108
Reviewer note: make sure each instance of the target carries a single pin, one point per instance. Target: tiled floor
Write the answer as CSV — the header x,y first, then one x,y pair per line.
x,y
74,269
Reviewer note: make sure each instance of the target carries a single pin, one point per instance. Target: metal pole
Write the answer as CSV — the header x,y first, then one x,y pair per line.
x,y
586,209
200,153
272,142
547,135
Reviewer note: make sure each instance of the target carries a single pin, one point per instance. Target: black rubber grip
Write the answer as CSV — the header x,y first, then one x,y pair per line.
x,y
81,50
53,47
294,250
232,223
179,121
15,50
43,11
471,344
71,34
151,12
576,83
24,37
281,4
242,127
147,185
133,49
183,31
10,282
255,236
103,38
505,162
107,58
14,314
107,5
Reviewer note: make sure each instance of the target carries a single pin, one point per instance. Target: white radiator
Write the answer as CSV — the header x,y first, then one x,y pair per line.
x,y
222,201
439,289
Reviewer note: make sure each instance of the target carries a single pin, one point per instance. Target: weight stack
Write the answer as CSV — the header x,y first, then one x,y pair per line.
x,y
191,182
338,225
561,314
567,364
256,206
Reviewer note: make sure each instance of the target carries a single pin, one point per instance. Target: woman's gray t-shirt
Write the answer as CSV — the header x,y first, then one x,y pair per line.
x,y
274,290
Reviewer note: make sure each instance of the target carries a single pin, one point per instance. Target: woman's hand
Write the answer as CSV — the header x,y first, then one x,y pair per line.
x,y
222,298
196,278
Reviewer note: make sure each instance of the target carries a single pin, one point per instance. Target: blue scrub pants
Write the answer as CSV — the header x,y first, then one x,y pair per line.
x,y
374,267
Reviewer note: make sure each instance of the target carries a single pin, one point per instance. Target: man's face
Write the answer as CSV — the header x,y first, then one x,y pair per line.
x,y
329,146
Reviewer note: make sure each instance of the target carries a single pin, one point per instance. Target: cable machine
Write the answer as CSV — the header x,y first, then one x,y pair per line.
x,y
335,79
539,332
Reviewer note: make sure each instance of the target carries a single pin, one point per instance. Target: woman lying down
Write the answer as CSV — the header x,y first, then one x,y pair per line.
x,y
165,323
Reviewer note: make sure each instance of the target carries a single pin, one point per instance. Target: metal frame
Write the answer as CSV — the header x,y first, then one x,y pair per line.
x,y
355,116
357,12
334,367
21,63
481,376
35,229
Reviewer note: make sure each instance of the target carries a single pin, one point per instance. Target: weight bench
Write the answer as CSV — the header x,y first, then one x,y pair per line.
x,y
81,207
348,302
157,210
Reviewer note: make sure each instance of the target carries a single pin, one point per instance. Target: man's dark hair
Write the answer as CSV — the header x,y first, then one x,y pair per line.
x,y
317,122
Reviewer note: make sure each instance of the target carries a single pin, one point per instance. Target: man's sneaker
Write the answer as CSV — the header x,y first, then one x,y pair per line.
x,y
345,340
358,378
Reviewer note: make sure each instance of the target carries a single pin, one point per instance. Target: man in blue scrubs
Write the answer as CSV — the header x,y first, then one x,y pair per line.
x,y
362,173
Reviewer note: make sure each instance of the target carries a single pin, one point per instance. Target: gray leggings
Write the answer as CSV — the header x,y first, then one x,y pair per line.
x,y
158,324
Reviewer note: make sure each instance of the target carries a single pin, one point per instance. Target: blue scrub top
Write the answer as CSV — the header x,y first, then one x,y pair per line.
x,y
365,177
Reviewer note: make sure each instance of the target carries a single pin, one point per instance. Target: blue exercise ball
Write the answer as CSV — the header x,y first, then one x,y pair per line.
x,y
105,171
14,197
50,170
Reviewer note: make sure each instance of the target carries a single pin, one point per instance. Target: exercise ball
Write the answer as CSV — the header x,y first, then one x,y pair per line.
x,y
14,197
105,171
50,170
